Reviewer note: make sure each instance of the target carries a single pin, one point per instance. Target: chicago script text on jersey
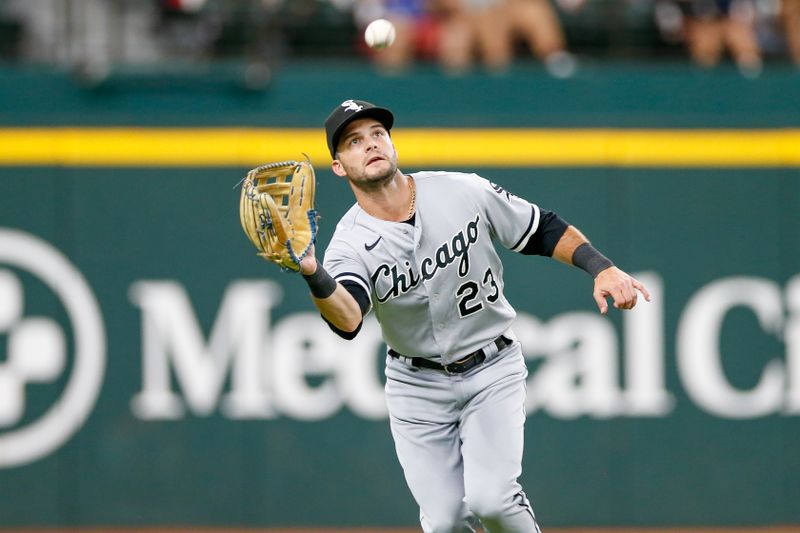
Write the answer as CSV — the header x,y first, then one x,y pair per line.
x,y
450,251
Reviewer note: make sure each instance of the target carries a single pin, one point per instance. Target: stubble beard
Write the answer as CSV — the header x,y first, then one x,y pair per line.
x,y
369,183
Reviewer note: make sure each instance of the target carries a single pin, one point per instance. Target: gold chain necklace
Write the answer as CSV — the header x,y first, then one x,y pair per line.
x,y
413,197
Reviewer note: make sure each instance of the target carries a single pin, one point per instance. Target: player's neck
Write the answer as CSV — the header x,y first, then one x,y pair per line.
x,y
393,202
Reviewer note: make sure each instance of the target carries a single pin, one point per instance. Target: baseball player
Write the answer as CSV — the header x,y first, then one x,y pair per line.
x,y
418,249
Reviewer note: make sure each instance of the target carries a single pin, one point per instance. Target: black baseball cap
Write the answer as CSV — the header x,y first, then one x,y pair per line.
x,y
348,111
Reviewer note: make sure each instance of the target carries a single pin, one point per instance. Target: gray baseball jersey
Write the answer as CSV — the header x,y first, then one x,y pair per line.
x,y
436,287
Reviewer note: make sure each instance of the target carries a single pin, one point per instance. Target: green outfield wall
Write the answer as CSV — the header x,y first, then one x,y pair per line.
x,y
154,371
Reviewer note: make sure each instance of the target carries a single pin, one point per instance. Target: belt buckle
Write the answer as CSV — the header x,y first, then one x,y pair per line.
x,y
462,366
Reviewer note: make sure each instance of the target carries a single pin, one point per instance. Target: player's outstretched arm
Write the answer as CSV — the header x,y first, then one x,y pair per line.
x,y
609,281
620,287
334,302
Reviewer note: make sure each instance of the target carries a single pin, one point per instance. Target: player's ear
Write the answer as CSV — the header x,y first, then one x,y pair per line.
x,y
338,169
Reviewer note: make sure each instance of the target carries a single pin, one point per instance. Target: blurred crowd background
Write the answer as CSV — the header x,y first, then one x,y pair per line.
x,y
91,36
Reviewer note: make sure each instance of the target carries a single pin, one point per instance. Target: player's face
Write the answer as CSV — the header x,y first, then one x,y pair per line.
x,y
366,154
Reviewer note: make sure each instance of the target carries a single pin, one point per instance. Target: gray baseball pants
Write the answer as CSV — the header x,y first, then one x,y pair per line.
x,y
459,439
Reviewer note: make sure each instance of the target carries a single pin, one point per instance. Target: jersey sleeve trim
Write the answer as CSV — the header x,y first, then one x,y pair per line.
x,y
533,225
358,280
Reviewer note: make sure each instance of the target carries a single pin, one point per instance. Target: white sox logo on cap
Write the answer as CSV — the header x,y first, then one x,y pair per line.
x,y
350,105
348,111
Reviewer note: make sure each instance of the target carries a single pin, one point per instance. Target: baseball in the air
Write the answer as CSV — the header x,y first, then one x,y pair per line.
x,y
379,34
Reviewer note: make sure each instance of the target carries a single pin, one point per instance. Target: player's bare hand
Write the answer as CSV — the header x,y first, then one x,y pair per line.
x,y
308,265
620,287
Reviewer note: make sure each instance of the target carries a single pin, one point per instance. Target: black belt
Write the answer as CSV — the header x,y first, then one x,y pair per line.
x,y
459,367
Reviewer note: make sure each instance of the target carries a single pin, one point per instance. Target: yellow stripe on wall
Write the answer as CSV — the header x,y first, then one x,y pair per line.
x,y
143,147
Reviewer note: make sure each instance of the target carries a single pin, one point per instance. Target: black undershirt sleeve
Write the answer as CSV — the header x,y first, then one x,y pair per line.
x,y
543,241
361,296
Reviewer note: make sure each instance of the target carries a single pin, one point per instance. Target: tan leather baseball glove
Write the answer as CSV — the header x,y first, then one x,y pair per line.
x,y
277,212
